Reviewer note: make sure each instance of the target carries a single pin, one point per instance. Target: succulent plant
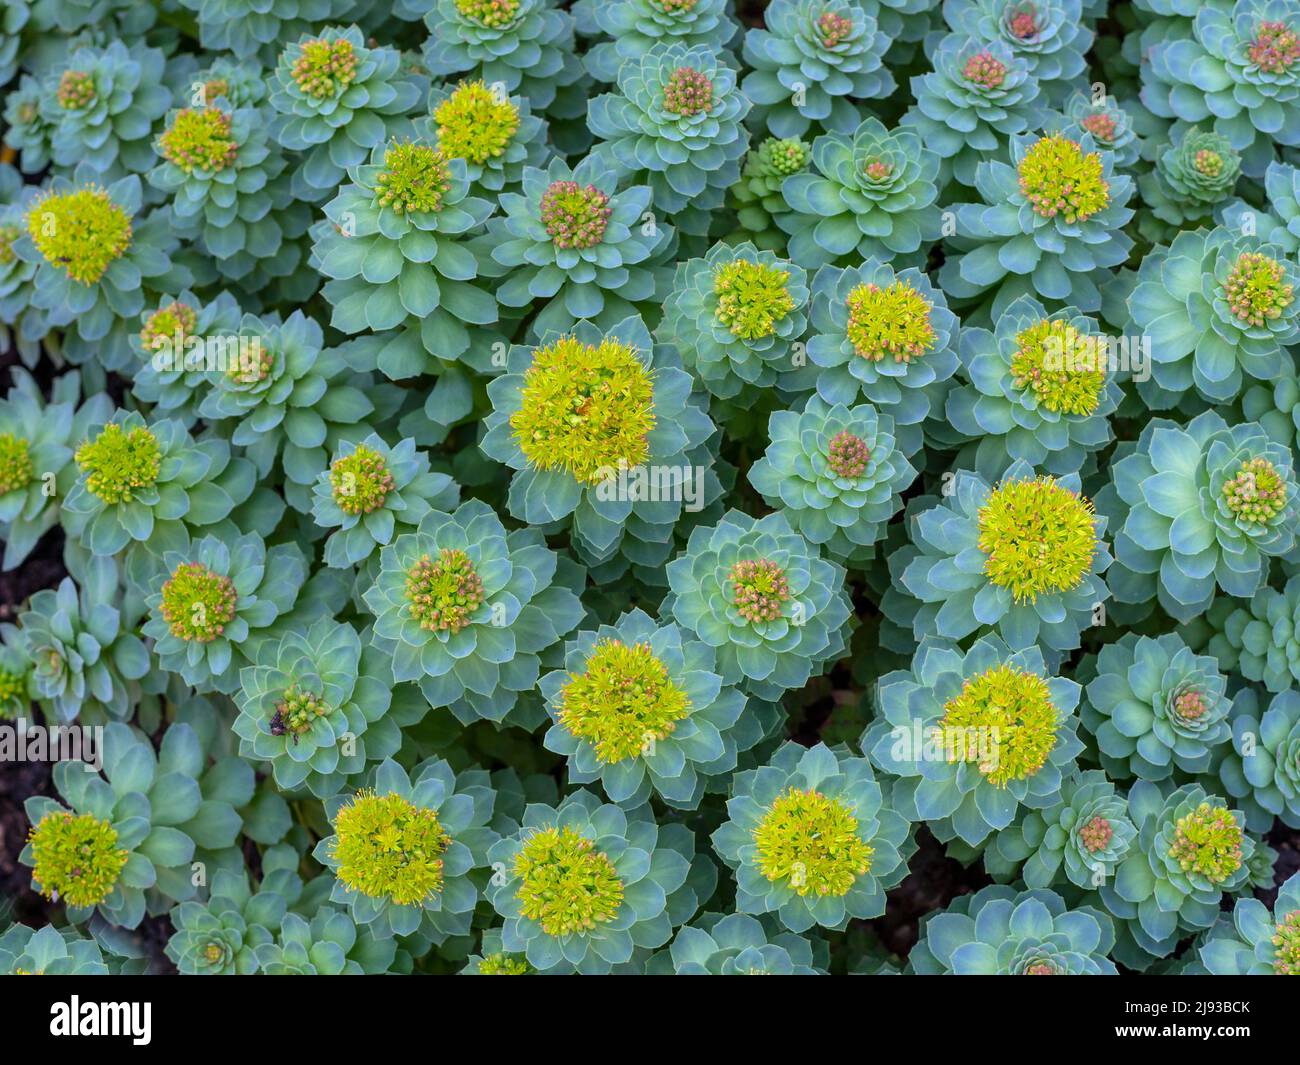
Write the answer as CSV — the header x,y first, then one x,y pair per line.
x,y
1260,769
1254,940
228,189
1191,848
1051,36
734,944
999,932
763,596
526,46
621,477
334,97
735,316
95,260
1217,307
1040,388
813,838
836,473
464,608
85,655
886,337
991,709
978,95
402,850
642,710
581,885
49,951
576,245
149,483
1156,708
809,60
121,843
1262,638
757,196
636,25
405,217
1024,557
1083,836
101,104
213,601
1207,505
497,135
674,124
869,194
1049,222
1236,64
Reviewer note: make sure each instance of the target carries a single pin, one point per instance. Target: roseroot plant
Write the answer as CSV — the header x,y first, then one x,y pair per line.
x,y
525,46
213,601
497,135
150,484
870,193
86,659
812,59
464,608
1156,708
972,739
120,844
1238,66
1191,848
247,27
734,944
372,493
1110,124
1040,388
758,197
37,442
313,706
1051,36
675,124
173,372
1260,769
978,95
95,259
48,951
1262,638
1023,556
582,885
228,189
1206,506
636,25
884,336
101,105
1254,940
334,98
221,935
574,245
642,710
1191,177
813,838
763,596
518,487
1049,223
604,438
1217,308
402,850
735,317
999,932
1084,836
393,247
836,473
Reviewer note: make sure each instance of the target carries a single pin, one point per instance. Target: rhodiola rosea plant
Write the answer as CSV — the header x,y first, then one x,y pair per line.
x,y
634,487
